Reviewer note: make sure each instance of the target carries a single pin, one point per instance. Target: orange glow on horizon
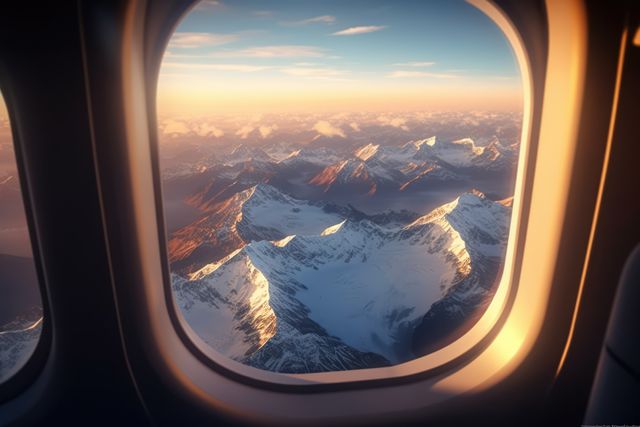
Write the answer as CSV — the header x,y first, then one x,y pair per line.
x,y
194,89
185,99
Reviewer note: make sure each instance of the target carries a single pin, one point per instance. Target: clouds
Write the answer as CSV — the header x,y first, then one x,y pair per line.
x,y
415,64
274,51
403,74
177,127
194,40
238,68
266,131
207,129
325,128
412,74
313,72
323,19
396,122
289,56
353,31
174,127
207,5
301,71
245,131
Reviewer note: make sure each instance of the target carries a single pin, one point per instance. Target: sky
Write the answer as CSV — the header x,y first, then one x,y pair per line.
x,y
254,56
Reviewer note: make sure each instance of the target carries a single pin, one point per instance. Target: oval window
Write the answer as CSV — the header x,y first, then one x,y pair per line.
x,y
337,177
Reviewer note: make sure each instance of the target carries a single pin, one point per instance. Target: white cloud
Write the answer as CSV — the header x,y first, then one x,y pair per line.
x,y
396,122
245,131
325,128
278,51
207,129
352,31
174,127
354,126
265,131
191,40
262,13
415,64
205,4
324,19
314,73
420,74
241,68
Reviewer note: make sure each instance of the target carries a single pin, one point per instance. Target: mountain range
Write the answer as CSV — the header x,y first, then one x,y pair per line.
x,y
309,287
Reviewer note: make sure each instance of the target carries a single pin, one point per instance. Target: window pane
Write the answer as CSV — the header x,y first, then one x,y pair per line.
x,y
337,177
20,303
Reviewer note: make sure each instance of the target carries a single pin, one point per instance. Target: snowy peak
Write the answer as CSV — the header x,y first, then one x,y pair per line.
x,y
459,153
465,153
317,156
270,214
421,143
481,223
366,152
258,213
333,229
353,172
244,153
228,304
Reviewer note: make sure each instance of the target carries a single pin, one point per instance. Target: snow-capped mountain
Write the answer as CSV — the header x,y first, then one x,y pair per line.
x,y
345,274
258,213
315,156
354,176
410,166
346,297
244,153
467,300
395,156
464,153
461,153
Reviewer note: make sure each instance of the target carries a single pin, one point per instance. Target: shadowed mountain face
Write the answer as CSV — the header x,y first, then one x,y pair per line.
x,y
339,253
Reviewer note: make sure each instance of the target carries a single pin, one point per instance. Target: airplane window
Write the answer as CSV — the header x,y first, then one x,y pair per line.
x,y
338,177
20,303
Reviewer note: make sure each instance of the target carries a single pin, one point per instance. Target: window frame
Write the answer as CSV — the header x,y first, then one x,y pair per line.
x,y
226,393
156,353
172,384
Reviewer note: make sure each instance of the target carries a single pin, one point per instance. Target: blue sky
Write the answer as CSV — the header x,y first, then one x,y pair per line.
x,y
329,45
